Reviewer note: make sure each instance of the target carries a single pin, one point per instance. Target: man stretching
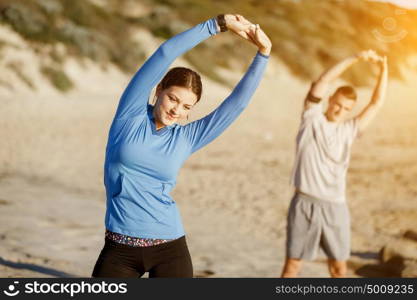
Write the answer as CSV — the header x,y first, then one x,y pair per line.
x,y
318,215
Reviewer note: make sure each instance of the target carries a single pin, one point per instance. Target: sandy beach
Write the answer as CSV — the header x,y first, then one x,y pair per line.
x,y
233,194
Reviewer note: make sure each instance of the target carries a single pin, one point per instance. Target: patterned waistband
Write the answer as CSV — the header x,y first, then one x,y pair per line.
x,y
133,241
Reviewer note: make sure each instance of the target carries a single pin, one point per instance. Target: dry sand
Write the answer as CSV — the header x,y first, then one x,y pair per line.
x,y
233,194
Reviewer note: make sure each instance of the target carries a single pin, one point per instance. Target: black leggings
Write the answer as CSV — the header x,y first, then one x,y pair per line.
x,y
171,259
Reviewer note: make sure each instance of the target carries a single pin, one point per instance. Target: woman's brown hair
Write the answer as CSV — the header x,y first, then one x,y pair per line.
x,y
182,77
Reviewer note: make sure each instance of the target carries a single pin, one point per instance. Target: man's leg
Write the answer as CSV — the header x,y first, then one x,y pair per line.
x,y
303,234
291,268
336,238
337,268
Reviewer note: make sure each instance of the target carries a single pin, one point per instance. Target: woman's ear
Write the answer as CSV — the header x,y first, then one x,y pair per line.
x,y
157,93
158,90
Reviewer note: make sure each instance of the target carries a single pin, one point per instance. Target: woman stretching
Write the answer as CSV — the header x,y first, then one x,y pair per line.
x,y
146,149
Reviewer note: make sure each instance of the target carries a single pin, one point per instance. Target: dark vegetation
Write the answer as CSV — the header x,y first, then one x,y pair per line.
x,y
307,35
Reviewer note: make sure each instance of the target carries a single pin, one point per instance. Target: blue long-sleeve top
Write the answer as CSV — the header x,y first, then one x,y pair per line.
x,y
142,163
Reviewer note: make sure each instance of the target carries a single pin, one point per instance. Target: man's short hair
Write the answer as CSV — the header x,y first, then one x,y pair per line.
x,y
348,92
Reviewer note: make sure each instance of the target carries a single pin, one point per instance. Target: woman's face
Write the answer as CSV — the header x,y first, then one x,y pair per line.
x,y
173,104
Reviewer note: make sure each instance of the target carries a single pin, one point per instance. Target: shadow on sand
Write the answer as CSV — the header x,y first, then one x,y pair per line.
x,y
391,268
35,268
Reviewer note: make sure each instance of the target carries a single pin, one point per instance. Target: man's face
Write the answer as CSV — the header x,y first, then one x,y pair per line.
x,y
339,107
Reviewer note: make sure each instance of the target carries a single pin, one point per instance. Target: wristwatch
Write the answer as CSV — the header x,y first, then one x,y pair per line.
x,y
221,21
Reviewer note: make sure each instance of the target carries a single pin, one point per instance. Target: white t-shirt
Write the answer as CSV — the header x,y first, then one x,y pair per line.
x,y
322,155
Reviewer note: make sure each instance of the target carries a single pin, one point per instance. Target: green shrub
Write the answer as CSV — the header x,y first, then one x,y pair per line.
x,y
58,78
85,29
16,67
308,36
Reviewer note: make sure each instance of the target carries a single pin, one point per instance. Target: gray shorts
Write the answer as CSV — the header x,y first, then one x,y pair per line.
x,y
314,224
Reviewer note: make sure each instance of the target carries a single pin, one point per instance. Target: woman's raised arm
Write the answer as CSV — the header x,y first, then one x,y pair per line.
x,y
135,97
203,131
